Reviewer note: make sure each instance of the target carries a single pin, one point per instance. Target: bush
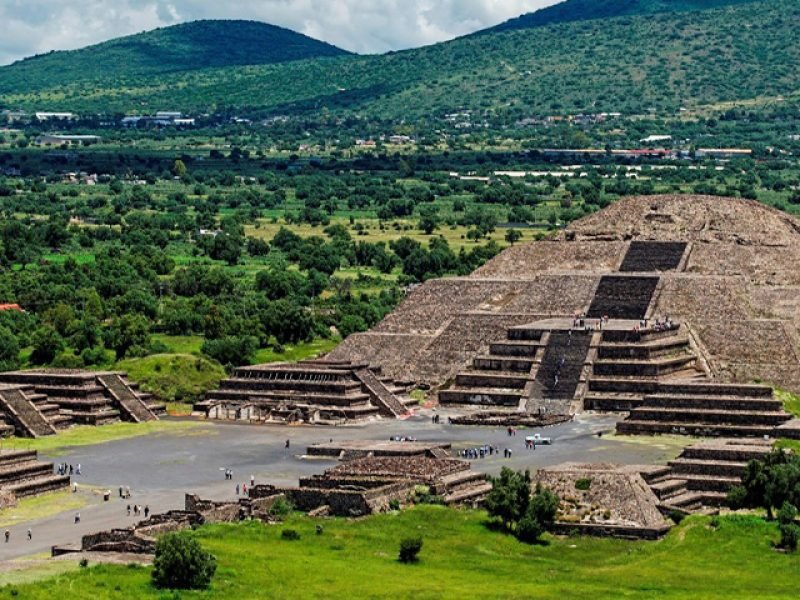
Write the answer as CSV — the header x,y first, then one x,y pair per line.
x,y
394,504
181,563
583,484
790,531
290,535
540,514
409,549
280,508
676,516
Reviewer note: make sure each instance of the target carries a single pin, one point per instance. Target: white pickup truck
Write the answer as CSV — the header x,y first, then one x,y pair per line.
x,y
537,439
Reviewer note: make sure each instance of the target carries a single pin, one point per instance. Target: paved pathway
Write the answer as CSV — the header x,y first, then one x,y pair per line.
x,y
162,467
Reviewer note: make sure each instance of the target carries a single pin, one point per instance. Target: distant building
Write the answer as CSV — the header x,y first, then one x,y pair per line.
x,y
723,153
55,116
656,138
49,139
11,307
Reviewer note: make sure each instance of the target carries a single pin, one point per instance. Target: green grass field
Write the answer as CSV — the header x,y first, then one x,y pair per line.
x,y
461,558
88,435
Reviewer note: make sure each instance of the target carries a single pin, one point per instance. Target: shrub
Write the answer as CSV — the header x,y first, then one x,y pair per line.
x,y
181,563
676,516
280,508
583,484
540,514
409,549
394,504
290,535
790,531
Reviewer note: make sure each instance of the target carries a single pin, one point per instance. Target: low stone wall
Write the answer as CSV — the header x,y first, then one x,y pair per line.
x,y
620,531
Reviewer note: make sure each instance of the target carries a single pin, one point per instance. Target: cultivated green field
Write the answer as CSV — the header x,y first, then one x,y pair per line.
x,y
461,558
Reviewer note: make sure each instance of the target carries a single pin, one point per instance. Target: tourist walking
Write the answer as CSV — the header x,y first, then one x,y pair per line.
x,y
30,534
146,511
8,535
77,518
129,510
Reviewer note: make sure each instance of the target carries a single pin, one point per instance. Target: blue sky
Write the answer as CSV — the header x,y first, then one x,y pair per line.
x,y
30,27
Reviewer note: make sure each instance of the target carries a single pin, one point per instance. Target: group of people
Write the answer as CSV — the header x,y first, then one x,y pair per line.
x,y
480,451
8,535
138,509
65,469
124,492
243,487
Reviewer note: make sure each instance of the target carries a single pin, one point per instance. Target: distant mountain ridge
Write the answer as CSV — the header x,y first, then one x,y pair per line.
x,y
192,46
654,63
585,10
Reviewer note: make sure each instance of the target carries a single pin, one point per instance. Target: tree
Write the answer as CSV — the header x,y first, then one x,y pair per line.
x,y
179,168
126,332
231,350
9,350
429,218
541,512
509,496
790,531
181,563
47,343
513,236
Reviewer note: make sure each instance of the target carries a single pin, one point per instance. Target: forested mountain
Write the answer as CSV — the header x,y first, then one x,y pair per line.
x,y
186,47
636,64
584,10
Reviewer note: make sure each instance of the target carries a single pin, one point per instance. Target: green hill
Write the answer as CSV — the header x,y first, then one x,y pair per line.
x,y
634,64
181,48
584,10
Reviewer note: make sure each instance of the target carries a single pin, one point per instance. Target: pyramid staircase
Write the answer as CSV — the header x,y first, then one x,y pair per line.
x,y
700,478
652,256
22,409
127,401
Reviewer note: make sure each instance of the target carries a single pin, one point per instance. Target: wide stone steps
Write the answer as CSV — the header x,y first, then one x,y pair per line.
x,y
128,402
474,493
562,364
274,397
743,453
24,471
480,396
643,368
491,379
709,416
384,399
668,488
40,485
690,466
644,350
757,404
24,413
12,457
503,363
640,427
710,483
516,348
330,387
611,402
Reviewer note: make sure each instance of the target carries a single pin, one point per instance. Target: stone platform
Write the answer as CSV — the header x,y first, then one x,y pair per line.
x,y
318,391
63,397
349,450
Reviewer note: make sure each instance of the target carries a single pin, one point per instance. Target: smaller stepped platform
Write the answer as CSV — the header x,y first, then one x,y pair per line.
x,y
706,409
317,391
23,474
700,478
77,397
348,450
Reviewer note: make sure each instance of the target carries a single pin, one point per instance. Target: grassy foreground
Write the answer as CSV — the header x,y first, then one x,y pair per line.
x,y
40,507
461,558
87,435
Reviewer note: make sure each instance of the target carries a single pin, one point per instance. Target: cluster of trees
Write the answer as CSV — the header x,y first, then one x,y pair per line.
x,y
773,483
524,514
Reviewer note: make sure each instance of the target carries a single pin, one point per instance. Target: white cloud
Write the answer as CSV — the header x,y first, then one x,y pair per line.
x,y
368,26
